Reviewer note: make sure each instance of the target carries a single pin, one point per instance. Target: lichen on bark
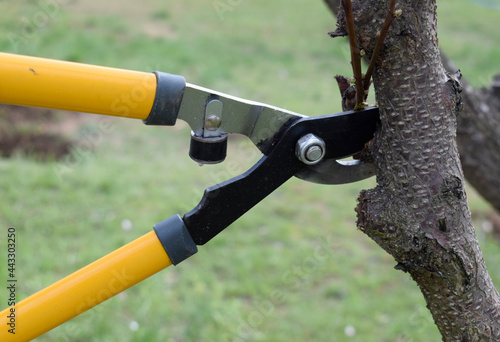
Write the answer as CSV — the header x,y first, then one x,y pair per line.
x,y
418,212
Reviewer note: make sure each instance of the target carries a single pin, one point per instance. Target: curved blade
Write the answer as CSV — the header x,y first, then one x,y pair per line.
x,y
337,172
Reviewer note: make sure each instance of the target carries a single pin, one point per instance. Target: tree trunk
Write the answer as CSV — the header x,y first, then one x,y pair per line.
x,y
478,134
418,212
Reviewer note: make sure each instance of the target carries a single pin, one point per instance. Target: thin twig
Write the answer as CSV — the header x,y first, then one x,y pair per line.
x,y
379,43
355,55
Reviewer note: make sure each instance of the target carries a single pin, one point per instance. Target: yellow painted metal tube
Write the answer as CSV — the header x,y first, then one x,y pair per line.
x,y
39,82
85,288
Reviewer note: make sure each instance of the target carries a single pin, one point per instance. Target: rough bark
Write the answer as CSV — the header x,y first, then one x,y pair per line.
x,y
478,134
418,212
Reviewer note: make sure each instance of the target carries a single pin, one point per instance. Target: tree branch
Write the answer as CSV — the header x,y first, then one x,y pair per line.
x,y
478,137
391,14
355,55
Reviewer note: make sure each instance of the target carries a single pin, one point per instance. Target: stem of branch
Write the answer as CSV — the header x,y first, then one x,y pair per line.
x,y
378,45
355,55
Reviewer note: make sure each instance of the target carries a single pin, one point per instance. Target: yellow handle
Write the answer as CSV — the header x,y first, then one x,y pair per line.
x,y
39,82
84,289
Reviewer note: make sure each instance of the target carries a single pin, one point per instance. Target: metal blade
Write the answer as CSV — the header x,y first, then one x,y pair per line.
x,y
337,172
259,122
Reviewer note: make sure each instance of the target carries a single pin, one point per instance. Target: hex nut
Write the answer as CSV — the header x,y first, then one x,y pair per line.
x,y
310,149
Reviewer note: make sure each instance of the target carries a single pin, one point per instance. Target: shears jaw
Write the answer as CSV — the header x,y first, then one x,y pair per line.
x,y
338,135
334,171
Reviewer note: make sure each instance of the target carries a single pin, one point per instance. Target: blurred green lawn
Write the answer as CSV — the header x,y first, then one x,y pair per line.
x,y
334,283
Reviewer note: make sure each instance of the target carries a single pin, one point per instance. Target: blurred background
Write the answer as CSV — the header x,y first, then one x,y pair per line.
x,y
77,186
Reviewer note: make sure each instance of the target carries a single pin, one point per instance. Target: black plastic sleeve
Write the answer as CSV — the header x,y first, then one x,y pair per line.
x,y
175,239
168,98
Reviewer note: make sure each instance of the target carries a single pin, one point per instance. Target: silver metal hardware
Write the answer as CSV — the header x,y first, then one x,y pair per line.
x,y
213,119
310,149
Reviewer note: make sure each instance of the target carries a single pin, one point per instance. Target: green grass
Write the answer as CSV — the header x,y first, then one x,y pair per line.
x,y
294,268
468,32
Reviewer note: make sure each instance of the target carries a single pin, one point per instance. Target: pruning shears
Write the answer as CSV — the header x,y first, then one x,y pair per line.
x,y
309,148
292,145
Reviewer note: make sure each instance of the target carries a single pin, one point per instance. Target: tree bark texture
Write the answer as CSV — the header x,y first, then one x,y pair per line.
x,y
418,212
478,134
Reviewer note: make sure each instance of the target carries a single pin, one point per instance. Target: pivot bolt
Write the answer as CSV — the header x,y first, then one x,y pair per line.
x,y
310,149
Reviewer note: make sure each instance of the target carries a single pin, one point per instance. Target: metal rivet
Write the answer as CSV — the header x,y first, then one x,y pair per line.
x,y
213,123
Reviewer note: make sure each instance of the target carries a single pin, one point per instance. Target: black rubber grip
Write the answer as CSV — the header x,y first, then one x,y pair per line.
x,y
175,239
168,98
